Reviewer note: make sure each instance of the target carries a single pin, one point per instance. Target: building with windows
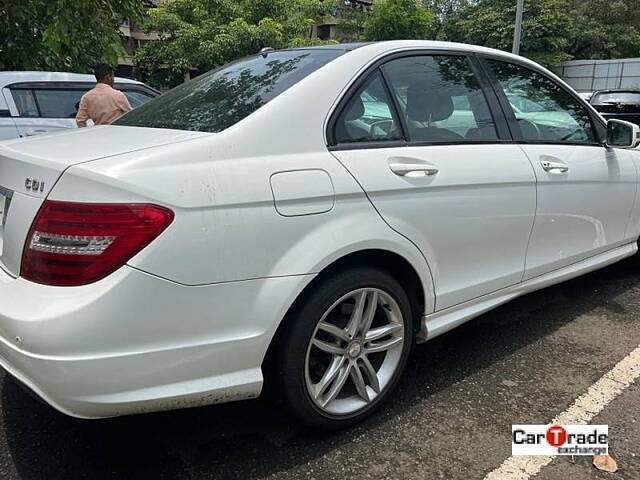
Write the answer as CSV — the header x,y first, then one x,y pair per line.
x,y
329,28
134,38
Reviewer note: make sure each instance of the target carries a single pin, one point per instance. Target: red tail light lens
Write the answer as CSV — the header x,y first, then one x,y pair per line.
x,y
79,243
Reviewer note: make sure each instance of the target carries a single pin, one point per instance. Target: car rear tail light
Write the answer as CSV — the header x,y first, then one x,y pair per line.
x,y
79,243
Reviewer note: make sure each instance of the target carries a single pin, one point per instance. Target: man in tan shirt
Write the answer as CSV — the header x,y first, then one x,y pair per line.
x,y
103,104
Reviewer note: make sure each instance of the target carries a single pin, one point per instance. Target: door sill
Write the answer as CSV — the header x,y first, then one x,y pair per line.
x,y
437,323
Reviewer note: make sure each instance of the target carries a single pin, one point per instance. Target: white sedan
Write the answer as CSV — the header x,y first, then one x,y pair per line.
x,y
297,220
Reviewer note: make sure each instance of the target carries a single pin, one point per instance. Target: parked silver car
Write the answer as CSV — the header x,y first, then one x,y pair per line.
x,y
32,103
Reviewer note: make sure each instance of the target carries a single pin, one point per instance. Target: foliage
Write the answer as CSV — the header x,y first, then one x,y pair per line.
x,y
443,10
605,29
351,20
73,35
398,19
553,30
546,31
203,34
68,35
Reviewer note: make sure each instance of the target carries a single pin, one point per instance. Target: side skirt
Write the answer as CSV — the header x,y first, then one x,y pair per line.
x,y
438,323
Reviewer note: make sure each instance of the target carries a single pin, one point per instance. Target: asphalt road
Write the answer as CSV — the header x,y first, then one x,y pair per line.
x,y
451,417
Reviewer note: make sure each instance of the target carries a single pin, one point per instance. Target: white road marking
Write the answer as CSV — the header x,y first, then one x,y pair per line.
x,y
587,406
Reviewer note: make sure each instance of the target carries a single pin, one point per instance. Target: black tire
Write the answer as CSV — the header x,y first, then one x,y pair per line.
x,y
292,391
634,260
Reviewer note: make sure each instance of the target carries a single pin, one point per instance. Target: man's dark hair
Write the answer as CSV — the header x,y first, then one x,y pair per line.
x,y
102,70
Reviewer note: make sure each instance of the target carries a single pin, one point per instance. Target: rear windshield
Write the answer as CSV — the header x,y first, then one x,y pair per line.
x,y
616,97
222,97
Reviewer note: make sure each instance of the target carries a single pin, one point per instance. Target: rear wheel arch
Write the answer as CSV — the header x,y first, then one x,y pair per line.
x,y
393,263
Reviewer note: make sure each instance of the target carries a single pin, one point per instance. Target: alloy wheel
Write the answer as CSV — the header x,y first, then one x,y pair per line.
x,y
354,351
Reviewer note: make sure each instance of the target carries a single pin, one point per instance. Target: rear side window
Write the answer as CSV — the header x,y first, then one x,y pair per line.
x,y
545,112
368,116
57,102
47,102
223,97
440,99
25,102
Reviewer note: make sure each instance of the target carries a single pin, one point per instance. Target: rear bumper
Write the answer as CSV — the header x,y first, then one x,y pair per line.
x,y
134,343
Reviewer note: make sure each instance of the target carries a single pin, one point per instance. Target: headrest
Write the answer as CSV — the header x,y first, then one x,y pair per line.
x,y
355,109
424,105
528,129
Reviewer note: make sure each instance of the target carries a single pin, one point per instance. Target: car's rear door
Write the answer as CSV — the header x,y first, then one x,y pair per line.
x,y
8,128
424,136
45,106
585,190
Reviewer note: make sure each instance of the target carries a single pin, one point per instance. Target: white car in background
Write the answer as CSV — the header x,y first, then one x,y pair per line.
x,y
586,95
298,219
32,103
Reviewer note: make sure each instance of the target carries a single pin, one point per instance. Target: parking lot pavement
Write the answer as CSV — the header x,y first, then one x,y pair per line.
x,y
624,427
450,418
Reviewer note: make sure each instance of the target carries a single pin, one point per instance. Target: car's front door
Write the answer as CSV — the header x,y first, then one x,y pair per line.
x,y
585,191
418,134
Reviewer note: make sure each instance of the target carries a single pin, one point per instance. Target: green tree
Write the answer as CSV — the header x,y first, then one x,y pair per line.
x,y
351,20
443,10
553,30
605,29
399,19
546,33
203,34
68,35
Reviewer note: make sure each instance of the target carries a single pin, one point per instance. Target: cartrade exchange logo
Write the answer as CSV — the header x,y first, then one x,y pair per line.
x,y
559,440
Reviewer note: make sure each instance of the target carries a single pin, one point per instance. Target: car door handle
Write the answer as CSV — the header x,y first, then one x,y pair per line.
x,y
411,168
31,133
554,167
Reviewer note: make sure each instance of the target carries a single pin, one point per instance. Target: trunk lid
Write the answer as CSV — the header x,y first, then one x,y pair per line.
x,y
29,168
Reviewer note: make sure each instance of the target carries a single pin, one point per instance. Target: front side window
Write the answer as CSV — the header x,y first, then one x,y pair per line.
x,y
222,97
441,99
368,115
136,97
545,112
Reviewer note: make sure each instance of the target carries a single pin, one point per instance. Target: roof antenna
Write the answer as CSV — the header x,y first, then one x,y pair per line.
x,y
264,51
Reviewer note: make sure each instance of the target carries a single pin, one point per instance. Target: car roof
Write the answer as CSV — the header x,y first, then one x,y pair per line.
x,y
8,78
332,46
390,45
376,49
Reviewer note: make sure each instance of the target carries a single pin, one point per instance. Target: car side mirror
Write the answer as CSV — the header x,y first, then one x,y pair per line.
x,y
621,134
